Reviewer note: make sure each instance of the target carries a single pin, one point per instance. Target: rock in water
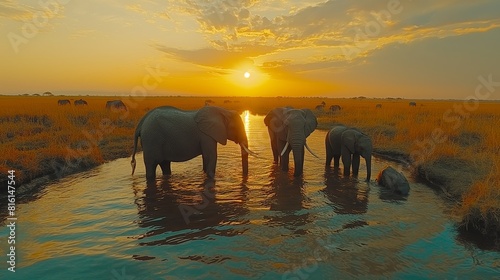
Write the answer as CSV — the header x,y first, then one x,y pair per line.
x,y
394,180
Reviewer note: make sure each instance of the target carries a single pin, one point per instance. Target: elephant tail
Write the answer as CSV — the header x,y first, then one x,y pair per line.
x,y
136,137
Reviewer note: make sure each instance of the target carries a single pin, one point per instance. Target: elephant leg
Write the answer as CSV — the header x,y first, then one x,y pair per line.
x,y
274,146
205,163
346,160
150,165
285,158
165,167
209,155
355,164
329,158
336,161
150,171
329,151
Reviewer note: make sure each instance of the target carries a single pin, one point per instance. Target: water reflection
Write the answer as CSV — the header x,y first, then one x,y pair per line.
x,y
285,194
191,210
346,194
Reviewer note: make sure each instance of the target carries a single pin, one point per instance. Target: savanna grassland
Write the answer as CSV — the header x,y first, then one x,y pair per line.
x,y
451,144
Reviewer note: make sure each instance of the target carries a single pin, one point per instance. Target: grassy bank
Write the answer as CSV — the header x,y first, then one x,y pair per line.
x,y
452,145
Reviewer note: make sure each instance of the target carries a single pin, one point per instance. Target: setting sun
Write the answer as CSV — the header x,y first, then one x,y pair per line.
x,y
246,75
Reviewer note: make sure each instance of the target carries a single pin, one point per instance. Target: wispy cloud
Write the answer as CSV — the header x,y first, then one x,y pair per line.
x,y
83,33
15,11
22,12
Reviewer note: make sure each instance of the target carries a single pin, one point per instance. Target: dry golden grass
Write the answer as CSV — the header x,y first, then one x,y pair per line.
x,y
447,142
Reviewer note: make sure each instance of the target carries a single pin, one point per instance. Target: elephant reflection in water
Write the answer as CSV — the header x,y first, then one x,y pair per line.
x,y
173,205
347,195
286,195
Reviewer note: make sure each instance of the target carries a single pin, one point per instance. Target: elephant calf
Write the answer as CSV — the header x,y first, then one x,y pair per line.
x,y
349,143
394,180
170,135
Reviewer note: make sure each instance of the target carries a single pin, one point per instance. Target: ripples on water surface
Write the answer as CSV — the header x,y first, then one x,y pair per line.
x,y
106,224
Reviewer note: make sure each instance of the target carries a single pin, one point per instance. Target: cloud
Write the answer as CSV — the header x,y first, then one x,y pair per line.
x,y
136,8
322,35
23,13
12,10
151,13
83,33
210,57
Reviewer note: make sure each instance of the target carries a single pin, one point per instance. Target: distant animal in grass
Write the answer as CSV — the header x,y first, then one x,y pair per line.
x,y
394,180
63,102
320,108
378,106
335,108
412,104
80,102
116,105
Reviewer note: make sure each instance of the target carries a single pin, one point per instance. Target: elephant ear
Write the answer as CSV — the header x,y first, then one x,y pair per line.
x,y
364,145
275,119
349,140
269,117
212,122
311,122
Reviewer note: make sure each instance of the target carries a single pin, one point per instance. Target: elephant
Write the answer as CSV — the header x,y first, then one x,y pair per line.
x,y
80,102
116,104
288,129
63,102
412,104
394,180
169,134
349,143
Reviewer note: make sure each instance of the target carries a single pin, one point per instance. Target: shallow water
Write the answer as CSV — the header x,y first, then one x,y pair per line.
x,y
107,224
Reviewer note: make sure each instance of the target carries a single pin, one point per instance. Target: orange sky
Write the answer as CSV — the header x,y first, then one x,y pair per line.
x,y
341,48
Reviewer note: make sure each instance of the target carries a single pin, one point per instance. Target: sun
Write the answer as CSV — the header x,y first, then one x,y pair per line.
x,y
247,76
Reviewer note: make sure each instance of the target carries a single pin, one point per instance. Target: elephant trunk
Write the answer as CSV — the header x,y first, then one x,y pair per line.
x,y
368,160
298,158
244,157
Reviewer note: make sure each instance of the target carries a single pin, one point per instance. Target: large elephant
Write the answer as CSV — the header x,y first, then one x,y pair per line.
x,y
349,143
288,129
170,135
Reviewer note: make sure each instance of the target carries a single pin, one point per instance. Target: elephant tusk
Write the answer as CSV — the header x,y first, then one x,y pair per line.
x,y
309,149
284,149
248,151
